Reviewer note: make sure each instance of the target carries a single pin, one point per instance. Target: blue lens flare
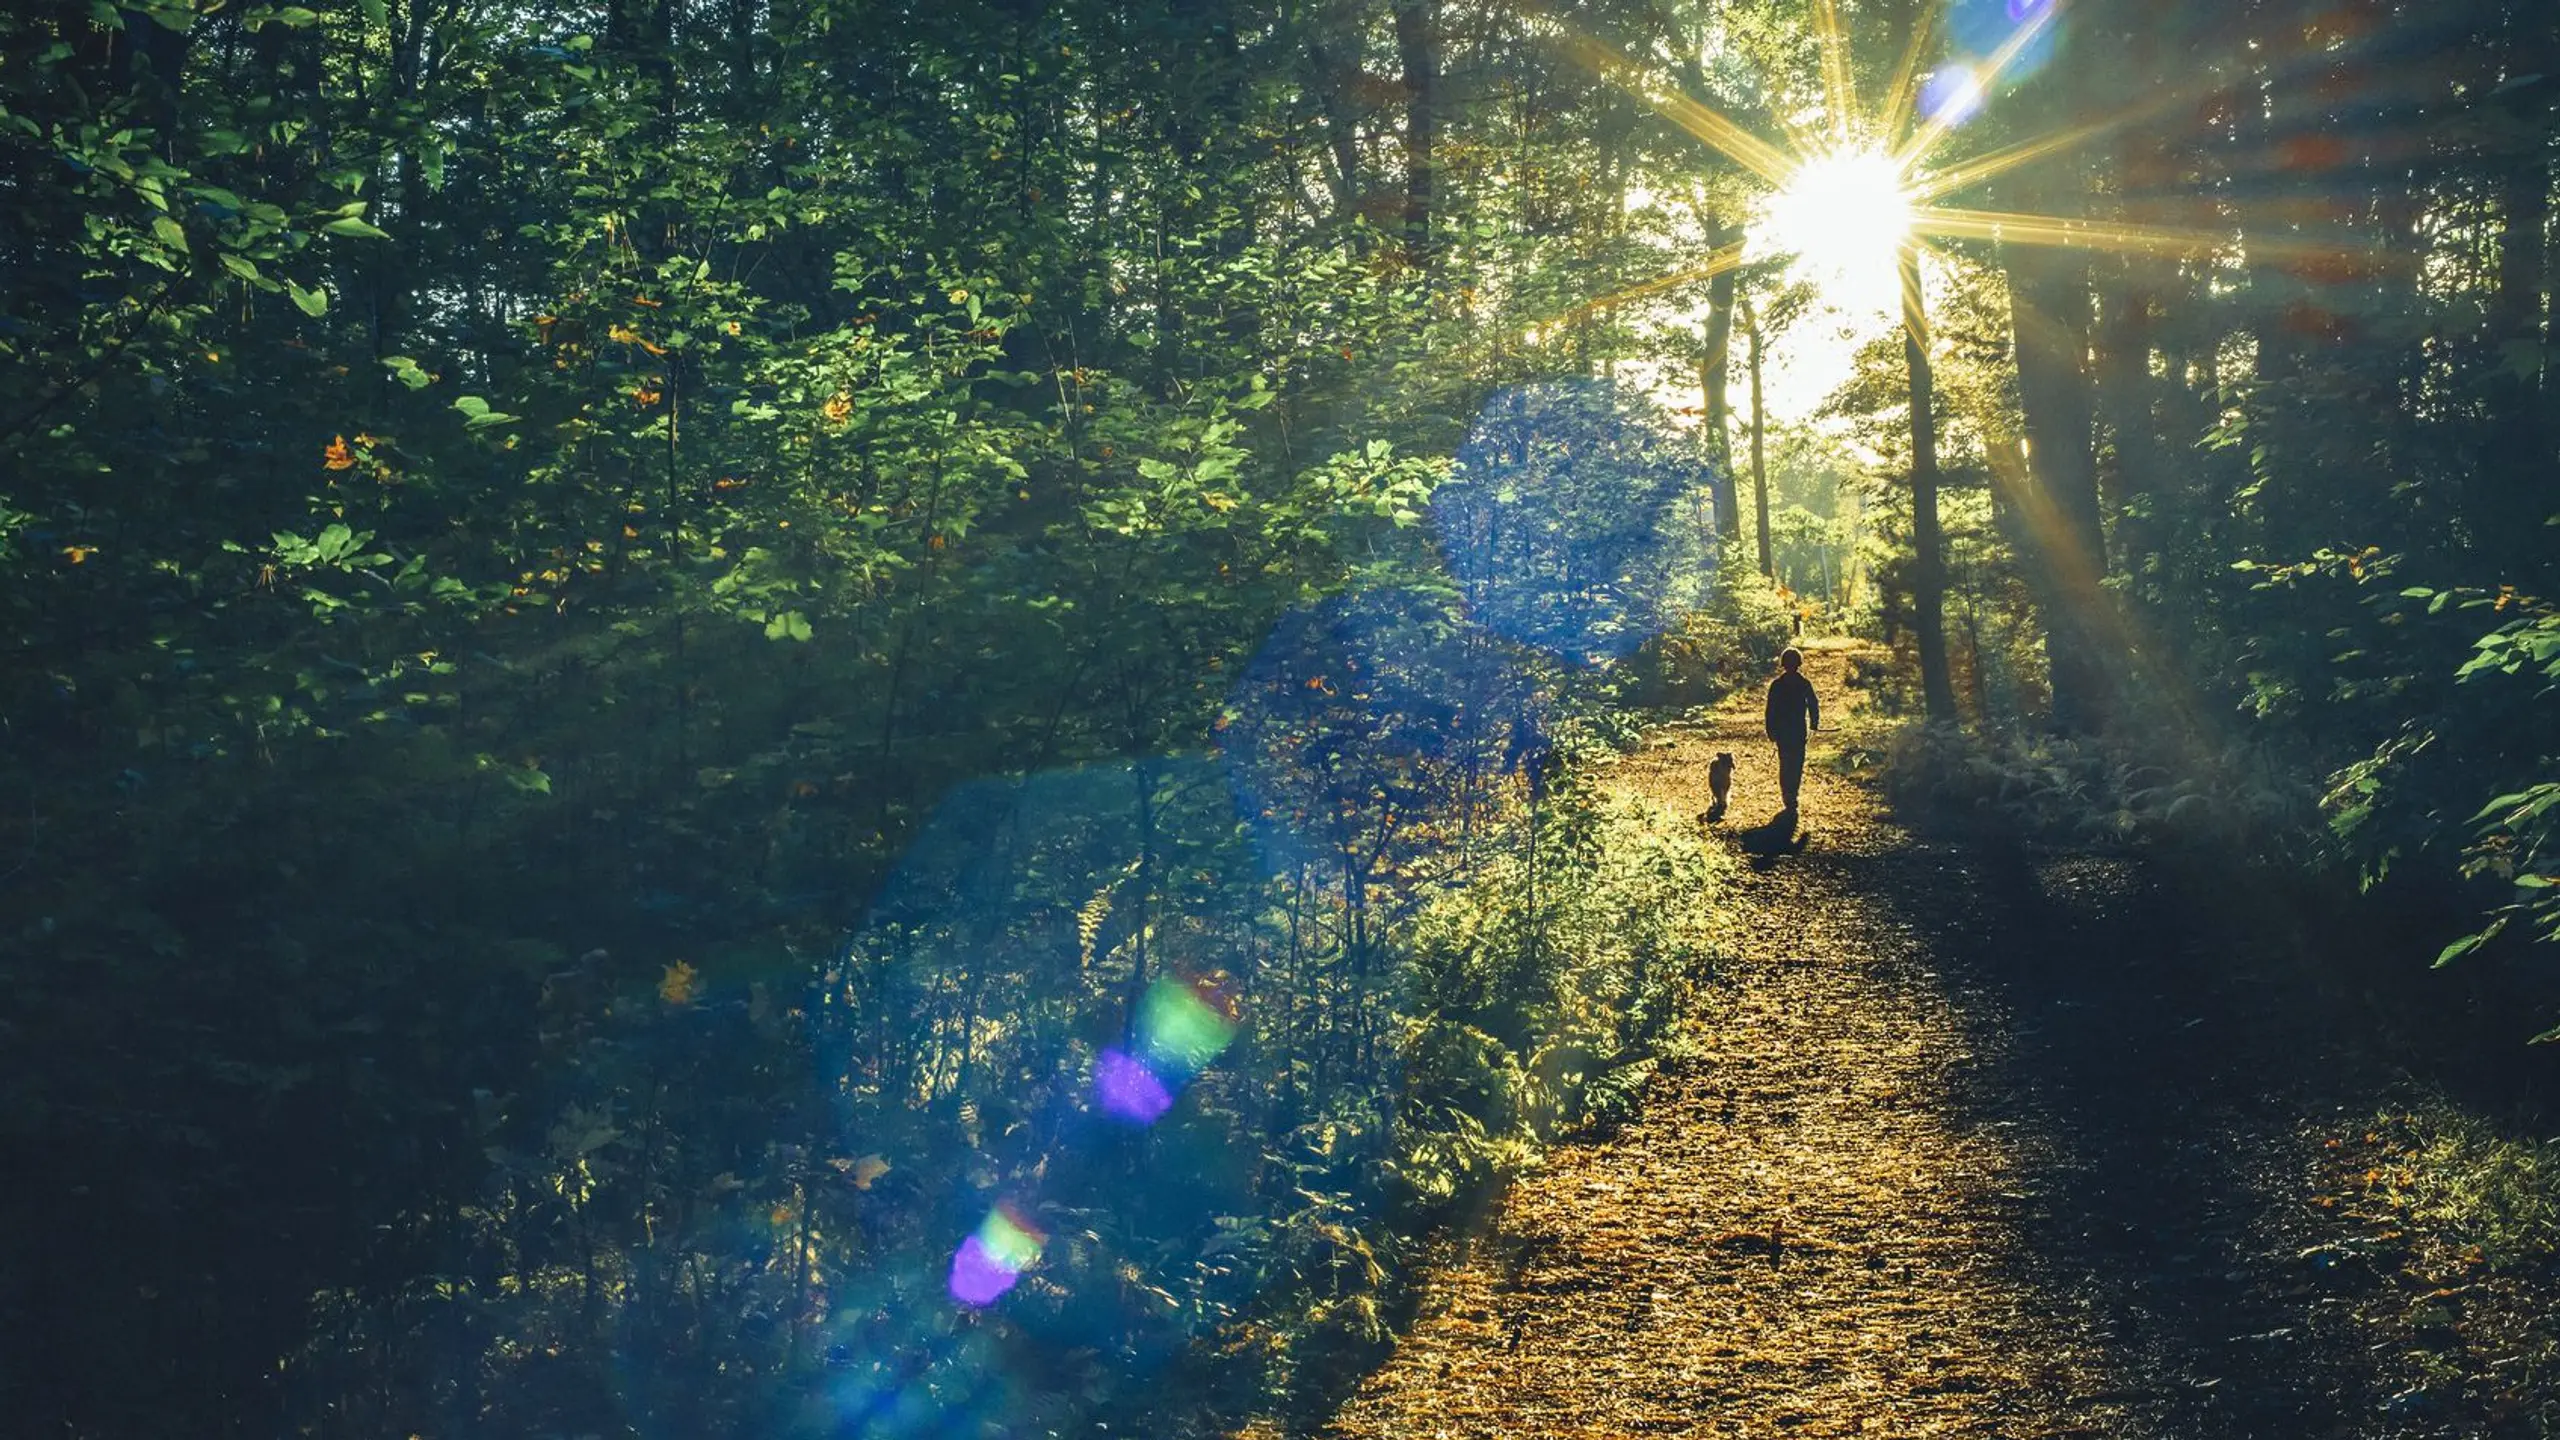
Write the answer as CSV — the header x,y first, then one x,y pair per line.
x,y
1952,95
1378,693
1980,28
1574,521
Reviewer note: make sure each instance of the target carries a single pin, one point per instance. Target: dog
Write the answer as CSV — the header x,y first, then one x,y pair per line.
x,y
1719,784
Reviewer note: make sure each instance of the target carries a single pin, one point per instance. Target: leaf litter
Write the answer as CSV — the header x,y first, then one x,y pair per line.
x,y
1944,1153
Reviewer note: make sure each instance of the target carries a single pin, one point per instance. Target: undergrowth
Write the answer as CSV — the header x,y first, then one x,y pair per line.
x,y
2135,787
1533,1003
2470,1213
1730,640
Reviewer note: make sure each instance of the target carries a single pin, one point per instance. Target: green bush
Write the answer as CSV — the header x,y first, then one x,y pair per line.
x,y
1537,996
1732,639
2121,790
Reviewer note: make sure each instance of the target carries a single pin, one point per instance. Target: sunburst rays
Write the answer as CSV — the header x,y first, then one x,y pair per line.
x,y
1839,90
1927,180
1903,91
1987,75
1720,260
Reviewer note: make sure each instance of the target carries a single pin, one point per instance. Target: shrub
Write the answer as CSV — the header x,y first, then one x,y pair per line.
x,y
2128,790
1735,636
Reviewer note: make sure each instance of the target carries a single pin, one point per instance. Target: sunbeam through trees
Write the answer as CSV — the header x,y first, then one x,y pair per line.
x,y
849,718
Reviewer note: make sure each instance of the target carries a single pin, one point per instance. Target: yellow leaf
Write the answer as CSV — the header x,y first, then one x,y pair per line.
x,y
676,986
839,407
79,553
336,456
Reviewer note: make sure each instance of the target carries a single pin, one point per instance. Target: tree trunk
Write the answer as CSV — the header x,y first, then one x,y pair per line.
x,y
2515,499
2058,500
1335,82
1928,546
1712,364
1759,452
1418,50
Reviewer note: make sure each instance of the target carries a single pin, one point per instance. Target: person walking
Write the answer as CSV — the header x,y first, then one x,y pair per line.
x,y
1794,711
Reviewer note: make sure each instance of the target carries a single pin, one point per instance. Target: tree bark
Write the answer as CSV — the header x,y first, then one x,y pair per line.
x,y
2065,542
1418,49
1928,545
2515,500
1759,451
1713,362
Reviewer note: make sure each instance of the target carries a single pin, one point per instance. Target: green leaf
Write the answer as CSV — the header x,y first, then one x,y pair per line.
x,y
168,232
313,303
478,414
789,625
351,226
241,267
376,13
2459,948
408,372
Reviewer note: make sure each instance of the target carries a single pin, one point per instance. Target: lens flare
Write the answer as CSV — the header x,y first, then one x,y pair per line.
x,y
990,1261
1184,1026
1127,1090
1567,521
1951,95
1845,216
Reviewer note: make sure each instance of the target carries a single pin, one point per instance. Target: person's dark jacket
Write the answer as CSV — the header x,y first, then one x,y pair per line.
x,y
1792,707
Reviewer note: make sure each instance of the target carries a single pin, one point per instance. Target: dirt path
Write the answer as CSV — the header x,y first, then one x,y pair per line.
x,y
1962,1157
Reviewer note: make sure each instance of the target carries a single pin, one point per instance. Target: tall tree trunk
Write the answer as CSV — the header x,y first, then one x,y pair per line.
x,y
1759,452
1928,545
1335,82
1712,364
1418,50
2515,497
2065,543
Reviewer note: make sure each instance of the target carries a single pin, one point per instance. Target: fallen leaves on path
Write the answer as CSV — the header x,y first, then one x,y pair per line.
x,y
1872,1199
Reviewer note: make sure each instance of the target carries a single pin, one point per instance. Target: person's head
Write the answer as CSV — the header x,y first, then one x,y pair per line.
x,y
1791,659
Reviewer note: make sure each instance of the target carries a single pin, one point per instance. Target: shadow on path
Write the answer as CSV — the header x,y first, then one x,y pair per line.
x,y
1978,1143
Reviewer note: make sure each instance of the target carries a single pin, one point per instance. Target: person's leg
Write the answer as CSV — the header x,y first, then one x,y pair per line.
x,y
1790,771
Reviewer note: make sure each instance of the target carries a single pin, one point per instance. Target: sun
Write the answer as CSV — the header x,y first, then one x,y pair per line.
x,y
1845,216
1851,195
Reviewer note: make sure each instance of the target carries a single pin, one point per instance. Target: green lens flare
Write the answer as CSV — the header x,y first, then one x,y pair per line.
x,y
1180,1029
1010,1241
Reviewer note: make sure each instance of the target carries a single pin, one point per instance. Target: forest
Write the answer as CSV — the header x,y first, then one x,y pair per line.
x,y
839,717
